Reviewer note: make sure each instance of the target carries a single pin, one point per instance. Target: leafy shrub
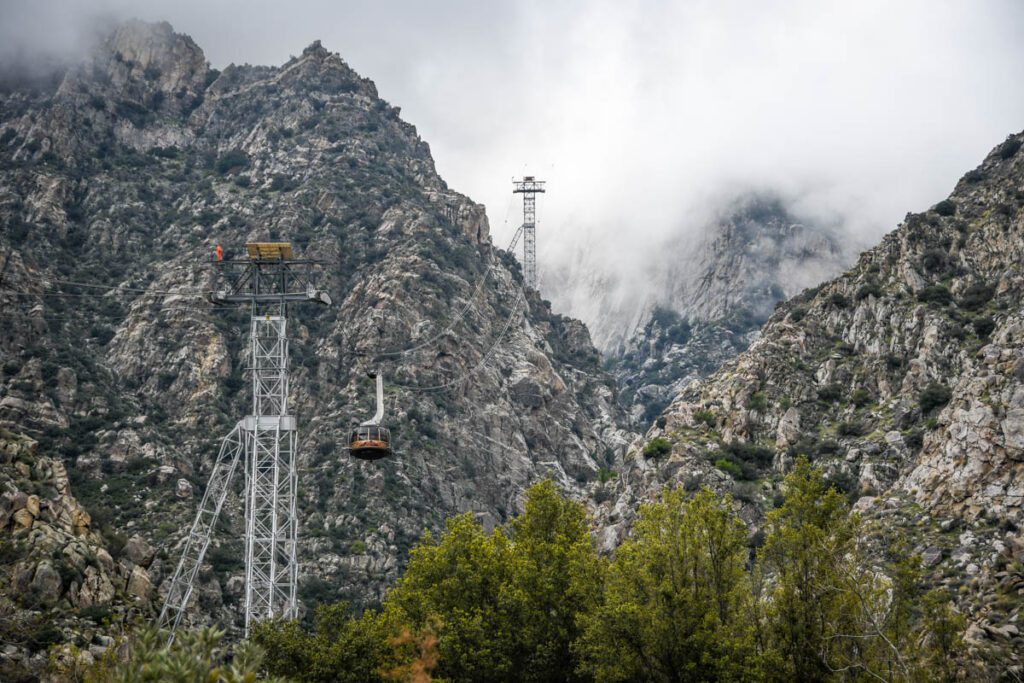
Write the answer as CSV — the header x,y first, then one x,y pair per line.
x,y
934,260
705,416
116,541
797,314
976,296
983,326
946,207
133,111
749,452
860,397
95,612
225,559
838,300
729,467
41,635
232,160
283,184
935,395
653,409
102,334
893,362
742,459
851,428
169,152
192,656
871,289
914,439
1009,148
974,176
657,447
757,402
938,294
830,393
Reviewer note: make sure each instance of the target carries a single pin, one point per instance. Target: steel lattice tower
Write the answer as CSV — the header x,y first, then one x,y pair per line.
x,y
267,281
529,187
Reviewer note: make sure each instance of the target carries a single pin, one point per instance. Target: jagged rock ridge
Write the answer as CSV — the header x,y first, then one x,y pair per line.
x,y
715,295
903,378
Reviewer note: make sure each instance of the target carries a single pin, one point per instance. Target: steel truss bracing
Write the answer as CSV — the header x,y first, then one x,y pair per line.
x,y
268,441
198,539
529,187
271,568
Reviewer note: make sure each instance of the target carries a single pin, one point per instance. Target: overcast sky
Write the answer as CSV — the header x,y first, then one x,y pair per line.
x,y
641,114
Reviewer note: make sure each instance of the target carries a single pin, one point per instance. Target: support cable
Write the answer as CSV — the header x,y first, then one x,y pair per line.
x,y
482,362
455,320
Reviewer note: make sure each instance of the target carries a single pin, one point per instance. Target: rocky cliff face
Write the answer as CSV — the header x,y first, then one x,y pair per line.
x,y
903,378
63,582
714,296
116,186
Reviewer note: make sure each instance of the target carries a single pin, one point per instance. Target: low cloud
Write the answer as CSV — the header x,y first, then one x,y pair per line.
x,y
642,115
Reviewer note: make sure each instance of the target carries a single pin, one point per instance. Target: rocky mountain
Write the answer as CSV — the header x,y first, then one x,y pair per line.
x,y
118,179
903,378
711,297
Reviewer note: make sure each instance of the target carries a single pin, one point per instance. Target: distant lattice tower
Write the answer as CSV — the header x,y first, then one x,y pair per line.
x,y
267,281
529,187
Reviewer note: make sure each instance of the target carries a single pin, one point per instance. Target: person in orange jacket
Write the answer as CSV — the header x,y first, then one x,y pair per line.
x,y
220,253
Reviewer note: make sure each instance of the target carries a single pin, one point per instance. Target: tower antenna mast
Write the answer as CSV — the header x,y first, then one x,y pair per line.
x,y
267,280
529,187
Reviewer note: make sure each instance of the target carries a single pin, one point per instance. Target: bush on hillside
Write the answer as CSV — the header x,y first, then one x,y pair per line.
x,y
233,160
657,447
976,296
935,395
1009,148
983,326
838,300
938,294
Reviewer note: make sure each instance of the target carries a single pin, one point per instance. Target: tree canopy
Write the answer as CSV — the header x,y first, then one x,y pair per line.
x,y
683,599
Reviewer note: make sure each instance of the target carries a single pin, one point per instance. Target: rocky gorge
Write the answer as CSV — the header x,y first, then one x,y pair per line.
x,y
119,175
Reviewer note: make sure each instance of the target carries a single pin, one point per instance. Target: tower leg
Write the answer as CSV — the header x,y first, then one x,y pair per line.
x,y
271,587
271,568
530,255
198,539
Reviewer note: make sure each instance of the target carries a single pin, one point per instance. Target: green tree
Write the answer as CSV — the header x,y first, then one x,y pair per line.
x,y
941,642
828,609
340,648
811,520
556,575
676,604
462,582
507,602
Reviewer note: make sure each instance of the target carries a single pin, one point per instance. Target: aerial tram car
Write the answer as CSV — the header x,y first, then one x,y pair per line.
x,y
370,441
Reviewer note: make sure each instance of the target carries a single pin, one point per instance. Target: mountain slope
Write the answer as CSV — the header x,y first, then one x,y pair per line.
x,y
715,292
117,186
903,378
